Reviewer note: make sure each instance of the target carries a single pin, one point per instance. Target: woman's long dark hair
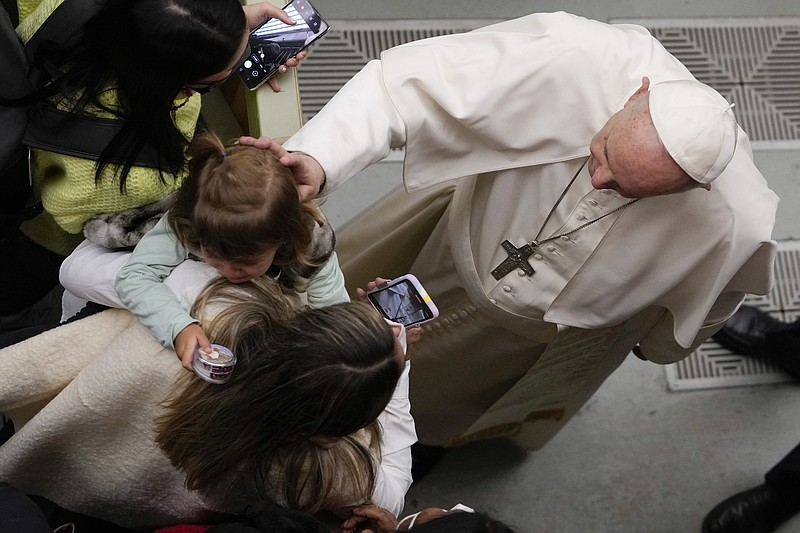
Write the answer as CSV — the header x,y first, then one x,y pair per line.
x,y
300,373
148,50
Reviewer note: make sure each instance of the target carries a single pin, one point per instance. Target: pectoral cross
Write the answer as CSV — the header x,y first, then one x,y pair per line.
x,y
517,258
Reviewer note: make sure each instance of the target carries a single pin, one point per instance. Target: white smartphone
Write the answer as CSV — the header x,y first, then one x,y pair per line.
x,y
403,300
274,41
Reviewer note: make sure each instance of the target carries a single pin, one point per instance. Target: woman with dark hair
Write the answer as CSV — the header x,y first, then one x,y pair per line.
x,y
143,63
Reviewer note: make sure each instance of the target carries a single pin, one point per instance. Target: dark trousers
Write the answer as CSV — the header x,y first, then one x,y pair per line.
x,y
785,476
27,274
7,338
20,513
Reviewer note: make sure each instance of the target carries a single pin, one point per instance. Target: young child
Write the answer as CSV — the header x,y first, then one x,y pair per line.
x,y
239,211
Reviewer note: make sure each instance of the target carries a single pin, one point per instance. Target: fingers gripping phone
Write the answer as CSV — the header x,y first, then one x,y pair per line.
x,y
274,42
403,300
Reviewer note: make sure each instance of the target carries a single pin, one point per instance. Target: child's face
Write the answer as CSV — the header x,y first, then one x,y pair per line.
x,y
241,271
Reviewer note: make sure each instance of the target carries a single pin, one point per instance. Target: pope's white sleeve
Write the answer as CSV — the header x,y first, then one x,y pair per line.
x,y
394,473
356,128
659,344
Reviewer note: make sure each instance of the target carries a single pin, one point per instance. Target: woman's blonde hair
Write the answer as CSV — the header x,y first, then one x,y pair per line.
x,y
300,373
239,200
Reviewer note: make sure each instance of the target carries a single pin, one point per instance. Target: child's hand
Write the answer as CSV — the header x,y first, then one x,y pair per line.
x,y
370,519
187,341
413,334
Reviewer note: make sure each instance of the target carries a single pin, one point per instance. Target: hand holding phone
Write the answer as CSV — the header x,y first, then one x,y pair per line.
x,y
403,300
274,42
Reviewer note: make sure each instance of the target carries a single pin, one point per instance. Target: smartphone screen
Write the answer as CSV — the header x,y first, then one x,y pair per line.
x,y
273,42
402,302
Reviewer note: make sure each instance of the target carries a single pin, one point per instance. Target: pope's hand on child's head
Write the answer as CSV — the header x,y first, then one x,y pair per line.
x,y
187,341
306,170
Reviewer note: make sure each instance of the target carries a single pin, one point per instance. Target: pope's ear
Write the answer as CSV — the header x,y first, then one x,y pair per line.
x,y
640,91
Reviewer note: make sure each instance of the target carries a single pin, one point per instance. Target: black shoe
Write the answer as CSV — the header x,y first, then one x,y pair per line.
x,y
7,429
423,459
745,332
783,347
758,510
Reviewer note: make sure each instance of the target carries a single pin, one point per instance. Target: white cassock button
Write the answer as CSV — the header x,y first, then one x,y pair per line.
x,y
506,288
580,216
538,257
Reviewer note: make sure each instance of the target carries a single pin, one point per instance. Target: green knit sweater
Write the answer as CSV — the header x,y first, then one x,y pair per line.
x,y
67,185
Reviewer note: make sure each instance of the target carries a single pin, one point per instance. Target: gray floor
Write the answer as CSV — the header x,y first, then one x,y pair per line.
x,y
637,458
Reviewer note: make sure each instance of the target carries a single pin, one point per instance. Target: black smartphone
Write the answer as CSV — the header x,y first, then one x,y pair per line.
x,y
274,41
403,300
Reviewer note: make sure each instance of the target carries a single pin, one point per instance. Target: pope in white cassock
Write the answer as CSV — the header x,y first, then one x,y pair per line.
x,y
558,208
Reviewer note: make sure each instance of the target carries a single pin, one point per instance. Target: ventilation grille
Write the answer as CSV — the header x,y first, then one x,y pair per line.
x,y
712,366
755,66
336,58
754,63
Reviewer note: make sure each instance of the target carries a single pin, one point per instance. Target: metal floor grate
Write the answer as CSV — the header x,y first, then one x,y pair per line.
x,y
752,62
332,61
712,366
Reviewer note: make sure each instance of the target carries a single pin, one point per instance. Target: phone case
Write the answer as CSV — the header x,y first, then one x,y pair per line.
x,y
274,42
403,300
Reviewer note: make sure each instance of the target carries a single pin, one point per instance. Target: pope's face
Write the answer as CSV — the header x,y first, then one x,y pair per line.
x,y
628,157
